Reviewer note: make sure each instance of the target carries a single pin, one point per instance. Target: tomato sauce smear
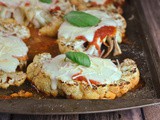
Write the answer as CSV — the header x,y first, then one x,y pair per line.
x,y
78,77
102,33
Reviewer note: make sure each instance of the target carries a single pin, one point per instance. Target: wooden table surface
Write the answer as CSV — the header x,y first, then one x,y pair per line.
x,y
152,14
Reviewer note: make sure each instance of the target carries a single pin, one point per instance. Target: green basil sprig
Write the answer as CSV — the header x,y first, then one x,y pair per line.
x,y
79,58
46,1
81,19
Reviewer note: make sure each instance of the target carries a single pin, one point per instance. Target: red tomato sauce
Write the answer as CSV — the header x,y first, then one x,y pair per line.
x,y
27,3
3,4
93,4
39,44
102,33
81,38
82,78
57,8
108,2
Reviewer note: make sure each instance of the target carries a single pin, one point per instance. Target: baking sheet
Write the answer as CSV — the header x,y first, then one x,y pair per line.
x,y
139,46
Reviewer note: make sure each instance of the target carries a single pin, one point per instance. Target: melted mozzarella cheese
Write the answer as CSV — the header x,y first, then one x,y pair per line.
x,y
10,49
69,31
61,3
98,2
11,3
9,27
101,70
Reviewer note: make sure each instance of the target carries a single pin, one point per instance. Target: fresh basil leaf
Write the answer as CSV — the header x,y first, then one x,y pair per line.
x,y
81,19
46,1
79,58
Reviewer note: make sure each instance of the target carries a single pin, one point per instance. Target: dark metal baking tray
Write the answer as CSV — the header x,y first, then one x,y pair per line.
x,y
140,48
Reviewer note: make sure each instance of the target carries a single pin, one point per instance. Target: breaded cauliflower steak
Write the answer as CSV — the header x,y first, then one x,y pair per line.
x,y
11,27
52,28
81,90
11,79
37,77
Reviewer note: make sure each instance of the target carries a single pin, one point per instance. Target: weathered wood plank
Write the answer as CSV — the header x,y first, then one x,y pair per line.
x,y
152,113
99,116
151,9
134,114
45,117
5,116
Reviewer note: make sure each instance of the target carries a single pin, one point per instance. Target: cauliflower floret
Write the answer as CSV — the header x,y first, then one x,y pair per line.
x,y
10,27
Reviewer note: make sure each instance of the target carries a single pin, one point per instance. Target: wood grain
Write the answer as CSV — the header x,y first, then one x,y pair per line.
x,y
100,116
5,116
45,117
152,113
151,10
134,114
